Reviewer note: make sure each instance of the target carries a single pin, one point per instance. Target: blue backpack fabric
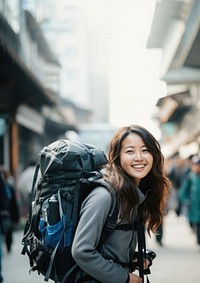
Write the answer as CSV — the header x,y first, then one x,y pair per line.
x,y
65,175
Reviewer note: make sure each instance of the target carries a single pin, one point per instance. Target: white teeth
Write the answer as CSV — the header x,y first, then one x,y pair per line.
x,y
139,166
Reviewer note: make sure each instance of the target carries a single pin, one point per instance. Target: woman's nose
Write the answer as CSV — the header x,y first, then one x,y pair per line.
x,y
138,155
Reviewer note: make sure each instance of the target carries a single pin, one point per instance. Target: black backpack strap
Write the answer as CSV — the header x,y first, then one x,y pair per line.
x,y
30,221
110,223
141,249
141,240
93,180
32,189
66,222
51,262
72,269
126,227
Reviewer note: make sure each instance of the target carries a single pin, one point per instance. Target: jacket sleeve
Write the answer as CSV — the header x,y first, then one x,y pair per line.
x,y
84,249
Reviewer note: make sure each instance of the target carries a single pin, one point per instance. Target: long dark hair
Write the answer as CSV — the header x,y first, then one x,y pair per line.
x,y
155,184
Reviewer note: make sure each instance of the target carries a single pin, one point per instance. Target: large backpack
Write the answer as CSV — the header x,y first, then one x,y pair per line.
x,y
66,173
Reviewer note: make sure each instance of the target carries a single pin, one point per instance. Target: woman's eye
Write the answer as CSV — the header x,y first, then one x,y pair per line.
x,y
145,150
129,151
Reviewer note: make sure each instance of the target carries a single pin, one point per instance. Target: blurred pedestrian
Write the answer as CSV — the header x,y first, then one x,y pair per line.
x,y
4,214
159,234
176,174
187,167
24,185
12,207
190,196
160,229
135,173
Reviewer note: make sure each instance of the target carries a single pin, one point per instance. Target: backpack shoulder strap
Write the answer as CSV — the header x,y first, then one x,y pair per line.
x,y
141,250
93,180
111,221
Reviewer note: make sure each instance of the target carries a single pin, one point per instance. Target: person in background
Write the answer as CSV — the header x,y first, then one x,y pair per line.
x,y
24,185
159,235
176,177
160,228
187,167
13,207
190,196
3,212
135,173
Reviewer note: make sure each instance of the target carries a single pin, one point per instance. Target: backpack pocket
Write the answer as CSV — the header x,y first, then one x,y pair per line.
x,y
41,258
56,234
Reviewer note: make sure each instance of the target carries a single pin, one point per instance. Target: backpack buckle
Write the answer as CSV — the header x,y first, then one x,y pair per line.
x,y
68,196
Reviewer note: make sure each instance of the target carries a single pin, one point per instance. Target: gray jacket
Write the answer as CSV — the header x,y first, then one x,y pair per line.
x,y
103,265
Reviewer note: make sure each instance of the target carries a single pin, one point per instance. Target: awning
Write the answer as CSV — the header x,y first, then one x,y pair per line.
x,y
166,13
18,85
30,118
174,106
171,15
169,149
55,129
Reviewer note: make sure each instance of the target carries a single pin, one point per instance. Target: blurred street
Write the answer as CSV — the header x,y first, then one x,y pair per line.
x,y
179,258
80,70
177,261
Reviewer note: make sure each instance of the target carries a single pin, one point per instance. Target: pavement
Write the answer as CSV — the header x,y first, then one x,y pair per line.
x,y
178,260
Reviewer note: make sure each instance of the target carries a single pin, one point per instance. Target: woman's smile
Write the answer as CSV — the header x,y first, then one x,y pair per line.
x,y
135,158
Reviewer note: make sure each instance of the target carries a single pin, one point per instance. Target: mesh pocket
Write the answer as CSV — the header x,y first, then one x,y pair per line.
x,y
52,234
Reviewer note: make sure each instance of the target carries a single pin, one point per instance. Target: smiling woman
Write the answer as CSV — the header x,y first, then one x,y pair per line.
x,y
135,175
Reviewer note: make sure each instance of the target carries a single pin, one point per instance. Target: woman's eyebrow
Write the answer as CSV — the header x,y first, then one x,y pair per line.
x,y
133,146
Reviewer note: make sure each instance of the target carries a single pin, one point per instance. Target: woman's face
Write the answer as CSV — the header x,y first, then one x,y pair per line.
x,y
135,158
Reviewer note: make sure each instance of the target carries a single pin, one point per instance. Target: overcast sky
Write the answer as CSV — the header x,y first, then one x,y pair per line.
x,y
134,85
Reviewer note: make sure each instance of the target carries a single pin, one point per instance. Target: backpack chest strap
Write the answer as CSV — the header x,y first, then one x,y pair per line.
x,y
126,227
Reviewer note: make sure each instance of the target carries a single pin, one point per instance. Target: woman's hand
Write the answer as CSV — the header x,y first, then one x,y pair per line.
x,y
146,263
134,278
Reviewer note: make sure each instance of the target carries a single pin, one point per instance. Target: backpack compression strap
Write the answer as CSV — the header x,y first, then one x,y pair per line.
x,y
30,220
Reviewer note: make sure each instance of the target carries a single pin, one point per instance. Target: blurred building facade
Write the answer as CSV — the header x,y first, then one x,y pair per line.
x,y
30,114
83,75
48,84
175,29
